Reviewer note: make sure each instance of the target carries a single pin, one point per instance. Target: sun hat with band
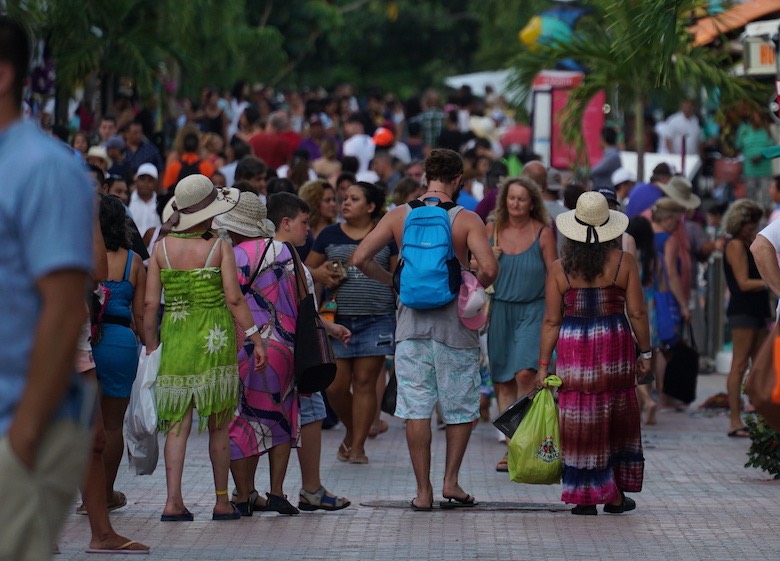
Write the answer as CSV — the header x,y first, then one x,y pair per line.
x,y
195,200
680,190
248,218
591,221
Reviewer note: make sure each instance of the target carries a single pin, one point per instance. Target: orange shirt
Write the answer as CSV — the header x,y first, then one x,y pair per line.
x,y
174,169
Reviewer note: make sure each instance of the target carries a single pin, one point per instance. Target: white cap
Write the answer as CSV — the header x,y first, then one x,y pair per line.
x,y
621,175
147,169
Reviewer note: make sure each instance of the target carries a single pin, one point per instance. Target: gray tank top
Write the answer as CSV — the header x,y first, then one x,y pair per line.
x,y
440,324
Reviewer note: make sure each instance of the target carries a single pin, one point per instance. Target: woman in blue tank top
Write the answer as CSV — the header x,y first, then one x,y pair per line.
x,y
525,248
115,349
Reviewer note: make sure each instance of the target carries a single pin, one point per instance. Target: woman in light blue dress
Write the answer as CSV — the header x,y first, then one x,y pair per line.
x,y
525,247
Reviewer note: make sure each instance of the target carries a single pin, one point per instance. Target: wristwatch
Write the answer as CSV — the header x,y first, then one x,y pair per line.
x,y
646,355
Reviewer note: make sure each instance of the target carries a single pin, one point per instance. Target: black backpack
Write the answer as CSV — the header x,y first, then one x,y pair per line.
x,y
188,169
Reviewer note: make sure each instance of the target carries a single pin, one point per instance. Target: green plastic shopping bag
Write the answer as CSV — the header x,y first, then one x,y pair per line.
x,y
535,448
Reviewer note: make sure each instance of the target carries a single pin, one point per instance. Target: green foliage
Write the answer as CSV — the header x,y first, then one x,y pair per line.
x,y
403,43
764,452
500,22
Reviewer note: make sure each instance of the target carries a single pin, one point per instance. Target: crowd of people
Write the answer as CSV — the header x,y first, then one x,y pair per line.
x,y
206,249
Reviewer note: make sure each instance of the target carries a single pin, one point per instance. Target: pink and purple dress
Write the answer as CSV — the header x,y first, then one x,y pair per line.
x,y
601,442
267,412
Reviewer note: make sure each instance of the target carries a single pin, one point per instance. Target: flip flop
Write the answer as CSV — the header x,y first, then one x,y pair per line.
x,y
741,432
121,550
185,516
454,502
118,504
122,501
421,508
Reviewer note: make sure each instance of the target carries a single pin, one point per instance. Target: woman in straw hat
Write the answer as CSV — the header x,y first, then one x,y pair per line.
x,y
587,295
198,364
267,416
748,309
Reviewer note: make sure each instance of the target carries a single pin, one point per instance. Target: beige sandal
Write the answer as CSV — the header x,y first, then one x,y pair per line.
x,y
321,500
343,453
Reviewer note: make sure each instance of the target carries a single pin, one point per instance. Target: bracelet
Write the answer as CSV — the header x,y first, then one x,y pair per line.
x,y
251,331
544,363
646,355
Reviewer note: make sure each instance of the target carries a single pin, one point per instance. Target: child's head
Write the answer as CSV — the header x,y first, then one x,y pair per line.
x,y
290,215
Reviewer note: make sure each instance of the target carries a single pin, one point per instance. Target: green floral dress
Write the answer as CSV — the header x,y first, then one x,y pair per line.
x,y
198,339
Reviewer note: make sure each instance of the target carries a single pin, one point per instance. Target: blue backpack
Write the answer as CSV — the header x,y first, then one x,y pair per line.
x,y
428,274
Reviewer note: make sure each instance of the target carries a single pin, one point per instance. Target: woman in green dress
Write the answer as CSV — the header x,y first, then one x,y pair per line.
x,y
198,364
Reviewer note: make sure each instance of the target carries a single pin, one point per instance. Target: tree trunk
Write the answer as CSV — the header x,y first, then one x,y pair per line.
x,y
639,134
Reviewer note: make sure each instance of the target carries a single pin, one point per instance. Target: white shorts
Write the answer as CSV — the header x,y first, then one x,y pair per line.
x,y
428,371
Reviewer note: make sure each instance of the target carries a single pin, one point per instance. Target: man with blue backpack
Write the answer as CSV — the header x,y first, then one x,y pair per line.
x,y
437,354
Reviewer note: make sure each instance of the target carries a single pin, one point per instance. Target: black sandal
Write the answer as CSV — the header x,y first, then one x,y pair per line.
x,y
280,505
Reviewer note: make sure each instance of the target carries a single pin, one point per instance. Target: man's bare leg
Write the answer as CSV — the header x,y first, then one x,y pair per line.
x,y
457,440
418,438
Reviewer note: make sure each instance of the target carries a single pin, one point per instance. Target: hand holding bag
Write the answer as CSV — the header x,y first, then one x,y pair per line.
x,y
315,364
761,385
508,421
141,416
535,448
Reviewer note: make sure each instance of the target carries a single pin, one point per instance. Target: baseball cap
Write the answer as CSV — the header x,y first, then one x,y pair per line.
x,y
147,169
116,142
621,175
609,194
472,301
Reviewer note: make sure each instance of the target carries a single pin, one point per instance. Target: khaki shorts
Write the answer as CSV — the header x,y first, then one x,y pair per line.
x,y
35,503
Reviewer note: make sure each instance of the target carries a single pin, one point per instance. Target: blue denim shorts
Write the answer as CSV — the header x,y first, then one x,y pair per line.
x,y
371,336
312,408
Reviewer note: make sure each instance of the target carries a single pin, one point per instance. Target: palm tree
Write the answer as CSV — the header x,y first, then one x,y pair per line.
x,y
632,48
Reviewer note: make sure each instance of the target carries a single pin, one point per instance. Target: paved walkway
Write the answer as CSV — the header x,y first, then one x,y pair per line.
x,y
699,503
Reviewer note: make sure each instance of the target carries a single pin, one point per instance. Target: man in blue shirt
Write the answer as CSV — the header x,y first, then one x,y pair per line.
x,y
45,258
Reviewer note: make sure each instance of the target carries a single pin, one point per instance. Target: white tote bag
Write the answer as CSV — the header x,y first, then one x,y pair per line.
x,y
141,416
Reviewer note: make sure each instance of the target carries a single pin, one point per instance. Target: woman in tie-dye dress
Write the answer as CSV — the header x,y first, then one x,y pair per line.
x,y
267,418
588,294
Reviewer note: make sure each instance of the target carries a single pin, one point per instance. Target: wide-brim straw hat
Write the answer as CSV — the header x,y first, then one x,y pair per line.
x,y
195,200
680,190
248,218
592,221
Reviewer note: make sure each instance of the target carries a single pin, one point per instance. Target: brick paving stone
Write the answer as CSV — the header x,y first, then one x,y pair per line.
x,y
699,503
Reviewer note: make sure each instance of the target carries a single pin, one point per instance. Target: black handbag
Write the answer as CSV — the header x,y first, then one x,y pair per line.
x,y
508,421
390,396
682,370
315,364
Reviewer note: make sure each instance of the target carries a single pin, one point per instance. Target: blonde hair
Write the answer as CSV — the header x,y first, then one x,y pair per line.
x,y
538,210
313,192
741,212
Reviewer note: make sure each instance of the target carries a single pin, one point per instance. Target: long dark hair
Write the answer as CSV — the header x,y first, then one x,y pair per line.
x,y
586,260
113,223
641,230
374,195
